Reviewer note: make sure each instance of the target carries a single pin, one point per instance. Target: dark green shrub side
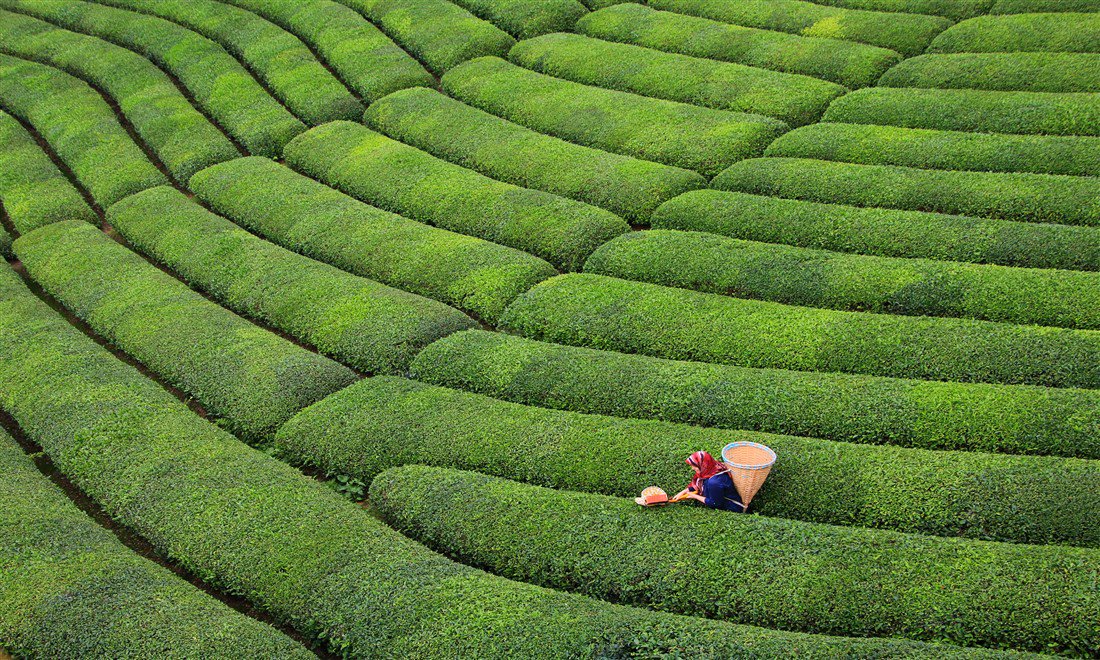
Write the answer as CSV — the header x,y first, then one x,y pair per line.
x,y
1026,72
956,10
1028,6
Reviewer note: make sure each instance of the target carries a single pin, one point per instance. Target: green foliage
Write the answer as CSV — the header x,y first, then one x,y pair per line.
x,y
72,590
850,64
364,58
385,422
882,232
1026,72
1027,6
953,9
257,528
677,134
976,110
310,218
402,179
252,378
34,192
865,409
794,99
358,321
278,58
1055,33
941,150
221,87
908,34
835,280
495,147
1011,196
527,18
778,573
79,126
5,243
439,33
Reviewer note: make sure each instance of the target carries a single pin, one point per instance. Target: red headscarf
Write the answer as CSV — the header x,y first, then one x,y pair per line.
x,y
708,467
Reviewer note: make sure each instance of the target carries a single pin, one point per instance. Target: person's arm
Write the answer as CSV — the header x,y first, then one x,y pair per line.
x,y
722,494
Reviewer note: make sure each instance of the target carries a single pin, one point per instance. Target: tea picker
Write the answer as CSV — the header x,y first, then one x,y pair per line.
x,y
729,485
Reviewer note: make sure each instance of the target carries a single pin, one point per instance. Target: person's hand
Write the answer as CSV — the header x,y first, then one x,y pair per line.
x,y
697,497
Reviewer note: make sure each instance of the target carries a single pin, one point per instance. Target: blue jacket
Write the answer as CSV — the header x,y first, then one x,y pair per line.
x,y
720,493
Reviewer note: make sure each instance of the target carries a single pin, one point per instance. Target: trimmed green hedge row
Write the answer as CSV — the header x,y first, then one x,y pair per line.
x,y
72,590
220,86
942,150
687,136
252,379
385,422
275,56
976,110
527,18
79,126
439,33
181,137
606,313
866,409
33,191
1056,33
846,63
1028,6
358,321
908,34
794,99
495,147
786,574
364,58
1066,200
310,218
1026,72
402,179
835,280
954,9
252,526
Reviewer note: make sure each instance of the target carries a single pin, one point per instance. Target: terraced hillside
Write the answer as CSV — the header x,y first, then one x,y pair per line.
x,y
350,328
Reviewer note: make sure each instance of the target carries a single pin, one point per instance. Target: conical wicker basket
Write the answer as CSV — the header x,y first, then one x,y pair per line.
x,y
749,464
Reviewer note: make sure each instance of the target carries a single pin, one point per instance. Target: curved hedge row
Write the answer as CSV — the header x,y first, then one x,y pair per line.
x,y
527,18
941,150
221,87
908,34
1028,6
845,63
866,409
954,9
181,137
1027,72
364,58
336,574
1012,196
975,110
602,312
358,321
385,422
1055,32
402,179
439,33
72,590
495,147
794,99
790,575
275,56
33,191
312,219
835,280
677,134
253,379
79,126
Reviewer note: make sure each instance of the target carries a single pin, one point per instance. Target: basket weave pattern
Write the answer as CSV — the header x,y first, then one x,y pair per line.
x,y
749,464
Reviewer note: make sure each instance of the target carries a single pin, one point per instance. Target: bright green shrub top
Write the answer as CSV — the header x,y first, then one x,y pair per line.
x,y
791,575
462,134
33,191
527,18
677,134
866,409
310,218
385,422
1026,6
909,34
849,64
250,377
1057,33
791,98
1028,72
79,126
953,9
71,589
402,179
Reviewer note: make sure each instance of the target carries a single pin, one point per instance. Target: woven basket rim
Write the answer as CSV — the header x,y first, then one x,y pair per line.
x,y
754,466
